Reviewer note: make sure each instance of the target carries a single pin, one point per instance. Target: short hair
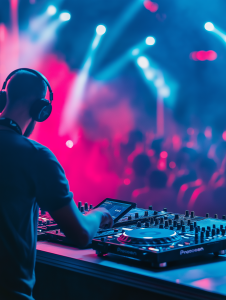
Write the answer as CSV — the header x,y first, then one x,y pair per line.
x,y
141,164
24,86
158,179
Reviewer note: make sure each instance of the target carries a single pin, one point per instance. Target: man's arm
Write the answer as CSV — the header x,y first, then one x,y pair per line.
x,y
80,228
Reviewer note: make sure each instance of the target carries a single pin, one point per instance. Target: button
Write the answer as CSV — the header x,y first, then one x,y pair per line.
x,y
171,246
216,216
115,229
136,215
150,207
129,217
139,224
146,213
186,213
151,220
207,215
187,243
86,206
165,209
147,224
192,214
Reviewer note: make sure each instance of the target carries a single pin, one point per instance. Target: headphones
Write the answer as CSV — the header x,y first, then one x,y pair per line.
x,y
41,109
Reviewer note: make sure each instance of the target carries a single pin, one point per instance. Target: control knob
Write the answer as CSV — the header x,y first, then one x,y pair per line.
x,y
218,231
150,207
91,206
207,215
155,212
165,209
174,223
224,217
192,214
147,224
176,217
136,215
151,220
187,213
86,206
213,231
216,216
161,220
82,209
191,227
183,228
129,218
166,223
139,224
161,226
156,222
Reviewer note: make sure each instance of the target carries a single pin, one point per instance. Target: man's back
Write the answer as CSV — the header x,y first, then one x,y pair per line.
x,y
25,168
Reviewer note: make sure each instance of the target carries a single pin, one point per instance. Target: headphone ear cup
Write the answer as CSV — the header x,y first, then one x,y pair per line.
x,y
41,110
3,100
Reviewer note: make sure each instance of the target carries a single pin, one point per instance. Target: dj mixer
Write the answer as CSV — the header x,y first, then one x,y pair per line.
x,y
157,237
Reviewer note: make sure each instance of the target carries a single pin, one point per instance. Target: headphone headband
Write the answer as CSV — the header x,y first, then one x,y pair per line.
x,y
34,72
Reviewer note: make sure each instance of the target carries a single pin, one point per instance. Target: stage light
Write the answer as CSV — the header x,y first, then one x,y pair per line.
x,y
172,165
143,62
209,26
101,29
159,82
65,16
69,144
126,181
164,92
135,52
163,154
150,74
150,40
51,10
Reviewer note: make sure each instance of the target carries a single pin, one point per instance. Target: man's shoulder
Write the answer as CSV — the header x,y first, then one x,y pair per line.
x,y
41,150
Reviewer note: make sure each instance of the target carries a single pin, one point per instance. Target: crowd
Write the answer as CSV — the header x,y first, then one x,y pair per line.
x,y
177,173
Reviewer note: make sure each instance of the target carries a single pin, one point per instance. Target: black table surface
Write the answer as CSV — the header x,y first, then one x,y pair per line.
x,y
199,278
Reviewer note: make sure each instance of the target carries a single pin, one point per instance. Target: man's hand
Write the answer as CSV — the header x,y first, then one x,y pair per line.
x,y
106,220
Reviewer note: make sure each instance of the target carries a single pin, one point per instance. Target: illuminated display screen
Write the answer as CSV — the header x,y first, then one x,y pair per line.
x,y
115,208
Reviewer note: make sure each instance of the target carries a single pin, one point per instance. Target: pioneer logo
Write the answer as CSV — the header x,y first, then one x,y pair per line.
x,y
191,251
126,251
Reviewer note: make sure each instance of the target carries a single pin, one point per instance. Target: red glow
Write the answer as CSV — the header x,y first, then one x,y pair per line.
x,y
224,135
126,181
184,187
14,4
163,154
151,152
3,32
128,171
172,165
69,144
212,55
135,193
190,144
203,55
190,131
208,132
151,6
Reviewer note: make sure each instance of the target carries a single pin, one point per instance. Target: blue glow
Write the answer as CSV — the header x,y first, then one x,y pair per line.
x,y
51,10
101,29
209,26
150,40
65,16
143,62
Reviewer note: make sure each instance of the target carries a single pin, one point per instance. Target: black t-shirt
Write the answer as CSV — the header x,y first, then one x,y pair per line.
x,y
30,176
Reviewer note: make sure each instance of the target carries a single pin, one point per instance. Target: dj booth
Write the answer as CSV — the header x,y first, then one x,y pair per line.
x,y
64,272
147,254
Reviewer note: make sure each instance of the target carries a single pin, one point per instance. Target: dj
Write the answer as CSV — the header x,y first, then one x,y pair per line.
x,y
31,177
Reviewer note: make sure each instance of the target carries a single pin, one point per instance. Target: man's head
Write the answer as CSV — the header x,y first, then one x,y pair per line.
x,y
23,89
